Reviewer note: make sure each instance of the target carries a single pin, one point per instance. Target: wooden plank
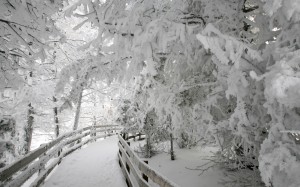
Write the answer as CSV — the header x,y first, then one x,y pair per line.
x,y
45,173
133,157
77,138
125,173
155,176
34,167
136,173
144,168
8,171
145,177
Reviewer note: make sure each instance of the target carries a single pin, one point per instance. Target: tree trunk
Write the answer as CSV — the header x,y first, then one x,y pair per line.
x,y
169,122
148,147
30,120
29,129
55,111
172,149
78,111
94,115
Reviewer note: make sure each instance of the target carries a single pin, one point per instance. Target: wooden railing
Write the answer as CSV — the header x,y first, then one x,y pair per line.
x,y
44,159
136,171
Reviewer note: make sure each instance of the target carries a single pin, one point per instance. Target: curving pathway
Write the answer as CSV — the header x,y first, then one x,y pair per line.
x,y
95,165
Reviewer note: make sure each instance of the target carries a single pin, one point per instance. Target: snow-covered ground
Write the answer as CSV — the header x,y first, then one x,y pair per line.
x,y
184,170
95,165
40,137
178,172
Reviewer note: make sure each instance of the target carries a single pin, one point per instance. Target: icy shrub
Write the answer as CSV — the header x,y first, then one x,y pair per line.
x,y
161,135
279,159
240,170
7,138
184,139
150,129
148,150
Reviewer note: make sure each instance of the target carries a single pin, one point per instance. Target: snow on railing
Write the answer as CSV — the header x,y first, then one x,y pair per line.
x,y
44,159
136,171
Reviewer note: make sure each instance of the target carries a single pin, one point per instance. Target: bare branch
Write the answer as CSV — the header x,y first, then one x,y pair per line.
x,y
12,22
20,37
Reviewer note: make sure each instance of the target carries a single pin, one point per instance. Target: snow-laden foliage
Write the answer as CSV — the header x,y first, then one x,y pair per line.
x,y
7,141
225,72
26,28
207,71
190,60
27,68
279,155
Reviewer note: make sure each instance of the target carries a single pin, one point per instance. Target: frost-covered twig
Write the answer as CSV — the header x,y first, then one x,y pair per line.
x,y
204,167
242,178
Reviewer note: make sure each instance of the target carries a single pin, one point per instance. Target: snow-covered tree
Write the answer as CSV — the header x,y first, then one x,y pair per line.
x,y
279,154
203,70
26,30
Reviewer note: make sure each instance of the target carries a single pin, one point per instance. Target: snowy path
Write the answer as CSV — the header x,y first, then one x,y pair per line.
x,y
95,165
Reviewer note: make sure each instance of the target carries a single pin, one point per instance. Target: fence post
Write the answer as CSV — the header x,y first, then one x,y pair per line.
x,y
120,155
58,155
42,164
92,132
145,177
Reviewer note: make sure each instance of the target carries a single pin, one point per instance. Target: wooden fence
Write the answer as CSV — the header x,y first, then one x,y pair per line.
x,y
136,171
43,160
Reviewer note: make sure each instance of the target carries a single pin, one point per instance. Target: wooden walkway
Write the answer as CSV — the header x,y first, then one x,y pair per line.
x,y
94,165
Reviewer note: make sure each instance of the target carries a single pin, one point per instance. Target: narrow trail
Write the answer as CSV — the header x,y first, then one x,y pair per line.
x,y
95,165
